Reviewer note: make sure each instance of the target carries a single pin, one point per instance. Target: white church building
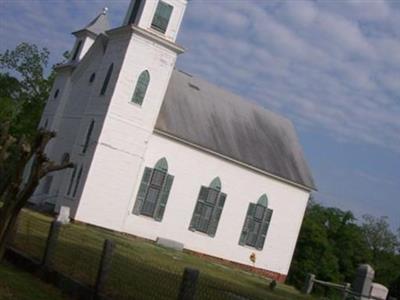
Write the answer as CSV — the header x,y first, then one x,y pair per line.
x,y
160,153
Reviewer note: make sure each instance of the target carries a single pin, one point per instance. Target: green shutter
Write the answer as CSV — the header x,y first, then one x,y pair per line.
x,y
212,227
264,229
249,217
162,202
142,190
196,213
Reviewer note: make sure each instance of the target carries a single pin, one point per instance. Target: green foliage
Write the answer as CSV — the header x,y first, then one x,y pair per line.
x,y
332,245
24,89
29,63
24,93
382,244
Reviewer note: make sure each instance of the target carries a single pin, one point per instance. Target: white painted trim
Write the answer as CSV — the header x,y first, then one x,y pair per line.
x,y
149,35
163,133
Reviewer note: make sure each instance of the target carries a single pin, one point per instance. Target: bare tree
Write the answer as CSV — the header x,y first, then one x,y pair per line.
x,y
15,192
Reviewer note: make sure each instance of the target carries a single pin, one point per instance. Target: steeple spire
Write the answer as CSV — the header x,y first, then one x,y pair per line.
x,y
86,36
100,24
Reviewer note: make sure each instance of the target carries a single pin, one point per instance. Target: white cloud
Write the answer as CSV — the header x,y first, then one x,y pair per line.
x,y
314,62
329,65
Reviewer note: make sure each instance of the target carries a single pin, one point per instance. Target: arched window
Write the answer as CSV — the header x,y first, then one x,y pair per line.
x,y
88,135
71,181
162,16
77,49
65,158
141,87
256,224
92,77
78,179
106,80
154,191
208,209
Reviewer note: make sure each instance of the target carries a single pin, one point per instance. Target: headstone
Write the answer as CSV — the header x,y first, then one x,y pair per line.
x,y
63,216
379,291
363,281
169,243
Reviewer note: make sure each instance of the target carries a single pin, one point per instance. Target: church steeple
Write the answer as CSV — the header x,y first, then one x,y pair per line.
x,y
85,37
161,17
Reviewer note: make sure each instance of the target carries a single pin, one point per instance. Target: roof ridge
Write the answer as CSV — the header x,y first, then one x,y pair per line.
x,y
248,101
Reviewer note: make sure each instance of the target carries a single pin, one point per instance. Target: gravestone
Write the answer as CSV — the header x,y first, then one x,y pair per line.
x,y
379,291
169,243
63,216
362,283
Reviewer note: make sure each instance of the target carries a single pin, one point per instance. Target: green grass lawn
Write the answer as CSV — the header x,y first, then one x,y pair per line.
x,y
16,284
140,269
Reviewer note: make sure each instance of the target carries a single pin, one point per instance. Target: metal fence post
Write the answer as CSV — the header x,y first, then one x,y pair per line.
x,y
308,284
104,267
51,243
188,284
346,290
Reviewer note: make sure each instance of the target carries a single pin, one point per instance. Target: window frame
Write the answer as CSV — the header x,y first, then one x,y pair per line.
x,y
88,136
252,233
159,18
141,87
92,77
107,80
203,202
153,187
71,181
149,184
77,50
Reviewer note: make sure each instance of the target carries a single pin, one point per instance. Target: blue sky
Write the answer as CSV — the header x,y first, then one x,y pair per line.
x,y
332,67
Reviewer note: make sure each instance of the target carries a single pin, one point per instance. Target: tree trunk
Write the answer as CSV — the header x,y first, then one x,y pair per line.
x,y
7,233
8,217
16,194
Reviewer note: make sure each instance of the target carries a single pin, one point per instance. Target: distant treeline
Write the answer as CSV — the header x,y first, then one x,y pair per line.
x,y
332,244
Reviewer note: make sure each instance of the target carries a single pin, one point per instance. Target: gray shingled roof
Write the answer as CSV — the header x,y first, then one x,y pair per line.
x,y
206,115
99,25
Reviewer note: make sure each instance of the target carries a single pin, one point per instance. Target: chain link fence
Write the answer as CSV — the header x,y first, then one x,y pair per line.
x,y
137,269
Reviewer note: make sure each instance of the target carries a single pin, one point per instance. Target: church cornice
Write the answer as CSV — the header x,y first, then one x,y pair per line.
x,y
84,32
232,160
65,66
147,34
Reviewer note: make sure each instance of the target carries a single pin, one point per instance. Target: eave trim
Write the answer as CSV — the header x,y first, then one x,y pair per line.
x,y
183,141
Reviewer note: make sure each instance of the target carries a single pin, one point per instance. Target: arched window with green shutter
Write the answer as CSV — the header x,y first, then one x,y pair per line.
x,y
154,190
208,209
106,80
141,87
256,224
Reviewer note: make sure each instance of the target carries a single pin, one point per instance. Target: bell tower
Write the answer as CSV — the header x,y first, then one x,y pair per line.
x,y
139,58
161,17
